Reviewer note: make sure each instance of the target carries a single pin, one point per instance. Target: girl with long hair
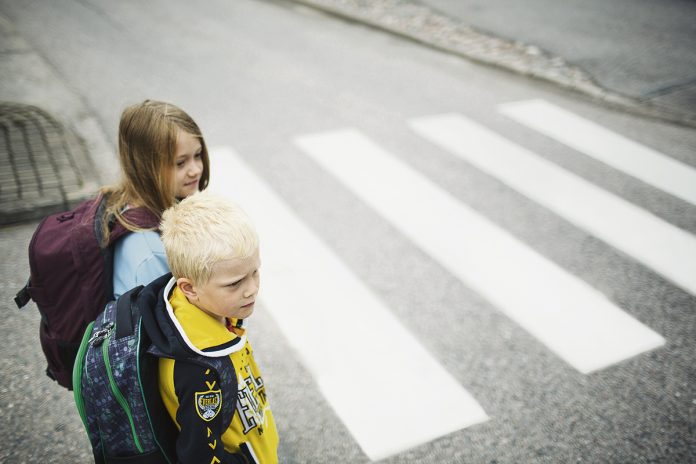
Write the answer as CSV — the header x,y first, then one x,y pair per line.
x,y
163,159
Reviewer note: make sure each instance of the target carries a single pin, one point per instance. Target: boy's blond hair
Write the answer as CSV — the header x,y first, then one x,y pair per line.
x,y
203,229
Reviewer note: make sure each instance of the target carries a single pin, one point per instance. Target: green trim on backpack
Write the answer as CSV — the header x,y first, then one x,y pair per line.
x,y
78,368
117,393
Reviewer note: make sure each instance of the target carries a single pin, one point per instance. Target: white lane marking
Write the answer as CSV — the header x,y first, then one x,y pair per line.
x,y
639,161
571,318
668,250
389,392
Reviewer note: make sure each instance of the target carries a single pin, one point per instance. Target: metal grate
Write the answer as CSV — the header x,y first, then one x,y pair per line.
x,y
45,167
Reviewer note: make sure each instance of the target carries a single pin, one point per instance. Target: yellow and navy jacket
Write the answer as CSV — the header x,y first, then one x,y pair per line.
x,y
209,381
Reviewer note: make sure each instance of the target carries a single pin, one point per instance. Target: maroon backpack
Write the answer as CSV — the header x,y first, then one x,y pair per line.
x,y
71,277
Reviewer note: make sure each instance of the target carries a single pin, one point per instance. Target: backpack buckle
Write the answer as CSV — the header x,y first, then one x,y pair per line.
x,y
22,297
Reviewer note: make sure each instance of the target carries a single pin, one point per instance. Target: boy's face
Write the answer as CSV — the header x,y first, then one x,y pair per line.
x,y
231,290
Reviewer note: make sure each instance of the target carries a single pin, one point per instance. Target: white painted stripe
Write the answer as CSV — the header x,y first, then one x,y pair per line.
x,y
668,250
389,392
574,320
639,161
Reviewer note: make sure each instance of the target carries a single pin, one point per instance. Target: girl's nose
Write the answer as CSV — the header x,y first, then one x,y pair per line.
x,y
194,170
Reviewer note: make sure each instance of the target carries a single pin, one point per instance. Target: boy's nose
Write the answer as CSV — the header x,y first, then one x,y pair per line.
x,y
251,291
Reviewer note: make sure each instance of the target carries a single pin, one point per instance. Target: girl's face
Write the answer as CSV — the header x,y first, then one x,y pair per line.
x,y
188,166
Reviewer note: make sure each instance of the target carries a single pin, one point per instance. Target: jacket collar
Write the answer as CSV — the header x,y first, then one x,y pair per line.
x,y
204,334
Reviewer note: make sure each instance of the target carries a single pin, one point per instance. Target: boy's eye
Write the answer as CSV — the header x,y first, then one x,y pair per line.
x,y
234,284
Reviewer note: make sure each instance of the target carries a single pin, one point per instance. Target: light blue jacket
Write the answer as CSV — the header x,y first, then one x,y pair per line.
x,y
139,259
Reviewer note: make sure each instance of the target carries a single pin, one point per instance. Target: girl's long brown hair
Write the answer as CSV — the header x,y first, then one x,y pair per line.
x,y
147,146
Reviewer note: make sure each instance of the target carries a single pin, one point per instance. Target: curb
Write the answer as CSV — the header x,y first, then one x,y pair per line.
x,y
419,23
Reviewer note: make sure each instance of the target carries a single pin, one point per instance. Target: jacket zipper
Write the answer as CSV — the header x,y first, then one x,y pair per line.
x,y
117,393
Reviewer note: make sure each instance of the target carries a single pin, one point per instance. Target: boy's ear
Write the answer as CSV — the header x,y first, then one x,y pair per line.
x,y
186,286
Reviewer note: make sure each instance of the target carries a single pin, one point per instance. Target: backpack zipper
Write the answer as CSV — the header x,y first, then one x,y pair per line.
x,y
98,337
114,388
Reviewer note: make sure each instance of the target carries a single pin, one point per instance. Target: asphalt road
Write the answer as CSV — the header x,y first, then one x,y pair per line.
x,y
258,75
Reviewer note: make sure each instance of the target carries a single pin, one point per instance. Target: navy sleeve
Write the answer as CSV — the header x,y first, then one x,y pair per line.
x,y
200,416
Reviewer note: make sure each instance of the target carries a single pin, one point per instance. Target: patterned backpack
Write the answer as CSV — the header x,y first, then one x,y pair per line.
x,y
116,389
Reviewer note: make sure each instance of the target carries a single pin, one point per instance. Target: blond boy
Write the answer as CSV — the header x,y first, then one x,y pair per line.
x,y
208,379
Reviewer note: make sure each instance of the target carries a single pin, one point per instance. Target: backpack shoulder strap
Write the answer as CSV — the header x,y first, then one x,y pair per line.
x,y
140,217
127,312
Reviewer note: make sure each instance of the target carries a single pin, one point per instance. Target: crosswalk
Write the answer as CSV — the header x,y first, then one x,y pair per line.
x,y
593,140
315,298
318,317
661,246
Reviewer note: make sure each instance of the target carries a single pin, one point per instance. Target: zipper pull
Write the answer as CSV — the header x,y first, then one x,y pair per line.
x,y
99,336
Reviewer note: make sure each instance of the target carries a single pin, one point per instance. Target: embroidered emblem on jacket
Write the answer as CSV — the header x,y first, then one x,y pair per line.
x,y
208,404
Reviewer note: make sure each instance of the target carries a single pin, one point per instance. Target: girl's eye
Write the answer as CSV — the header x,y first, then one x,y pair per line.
x,y
198,155
180,163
